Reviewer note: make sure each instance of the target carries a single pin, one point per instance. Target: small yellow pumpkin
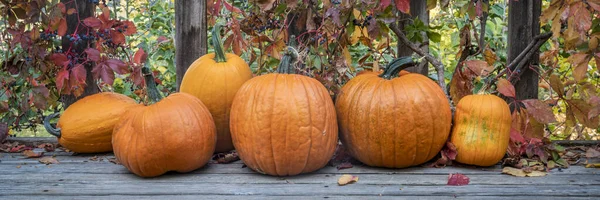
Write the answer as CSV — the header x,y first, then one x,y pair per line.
x,y
481,129
86,126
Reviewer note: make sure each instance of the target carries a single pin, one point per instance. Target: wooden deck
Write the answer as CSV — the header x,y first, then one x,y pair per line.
x,y
94,176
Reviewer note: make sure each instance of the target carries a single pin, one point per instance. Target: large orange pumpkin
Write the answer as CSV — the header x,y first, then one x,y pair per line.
x,y
176,133
481,129
393,122
86,126
284,124
215,78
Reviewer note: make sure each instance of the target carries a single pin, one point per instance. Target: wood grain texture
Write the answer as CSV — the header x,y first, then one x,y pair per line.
x,y
190,34
80,177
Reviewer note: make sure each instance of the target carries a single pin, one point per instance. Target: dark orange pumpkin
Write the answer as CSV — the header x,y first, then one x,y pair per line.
x,y
215,78
284,124
174,134
481,129
393,122
86,126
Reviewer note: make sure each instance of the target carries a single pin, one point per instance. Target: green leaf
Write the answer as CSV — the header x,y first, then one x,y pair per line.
x,y
434,36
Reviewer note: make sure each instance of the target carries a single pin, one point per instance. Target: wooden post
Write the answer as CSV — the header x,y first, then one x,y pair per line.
x,y
190,36
523,26
417,9
85,9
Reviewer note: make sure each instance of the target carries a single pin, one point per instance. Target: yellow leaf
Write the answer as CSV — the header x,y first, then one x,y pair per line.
x,y
490,56
521,173
347,57
593,165
358,32
347,179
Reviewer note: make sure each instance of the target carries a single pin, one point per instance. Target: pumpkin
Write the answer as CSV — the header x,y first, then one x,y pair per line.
x,y
176,133
215,78
86,126
481,129
393,122
284,124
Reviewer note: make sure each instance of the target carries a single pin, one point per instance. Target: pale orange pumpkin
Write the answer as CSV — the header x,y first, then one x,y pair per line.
x,y
176,133
284,124
86,126
215,78
393,122
481,129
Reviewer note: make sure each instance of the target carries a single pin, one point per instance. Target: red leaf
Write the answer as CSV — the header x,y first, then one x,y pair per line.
x,y
232,8
161,39
541,111
118,66
61,77
384,4
62,27
403,5
479,67
131,29
137,77
104,72
595,6
62,7
448,154
59,59
92,22
78,73
505,88
140,56
515,136
458,179
344,165
117,37
92,54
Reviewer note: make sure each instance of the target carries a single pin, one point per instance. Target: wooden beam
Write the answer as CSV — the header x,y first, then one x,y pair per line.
x,y
523,26
85,9
190,35
417,9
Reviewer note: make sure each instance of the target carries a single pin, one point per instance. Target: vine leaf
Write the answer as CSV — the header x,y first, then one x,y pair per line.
x,y
505,88
61,77
92,22
461,84
581,111
62,27
541,111
580,61
140,56
232,8
458,179
92,54
557,85
403,5
479,67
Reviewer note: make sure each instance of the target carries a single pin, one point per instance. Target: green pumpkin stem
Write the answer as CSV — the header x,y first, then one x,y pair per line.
x,y
151,89
51,129
286,66
217,44
396,66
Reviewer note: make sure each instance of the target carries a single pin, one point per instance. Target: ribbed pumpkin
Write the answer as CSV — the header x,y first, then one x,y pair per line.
x,y
481,129
86,126
284,124
176,133
215,78
393,122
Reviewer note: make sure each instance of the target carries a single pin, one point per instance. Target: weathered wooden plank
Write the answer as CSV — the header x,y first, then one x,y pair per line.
x,y
369,179
259,197
151,188
109,168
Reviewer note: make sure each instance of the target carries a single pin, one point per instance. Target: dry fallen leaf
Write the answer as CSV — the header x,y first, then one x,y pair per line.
x,y
593,165
48,160
347,179
114,161
458,179
31,154
521,172
592,153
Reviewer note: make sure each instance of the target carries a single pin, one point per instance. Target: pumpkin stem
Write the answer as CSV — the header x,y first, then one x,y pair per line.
x,y
286,66
151,89
396,66
51,129
217,44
